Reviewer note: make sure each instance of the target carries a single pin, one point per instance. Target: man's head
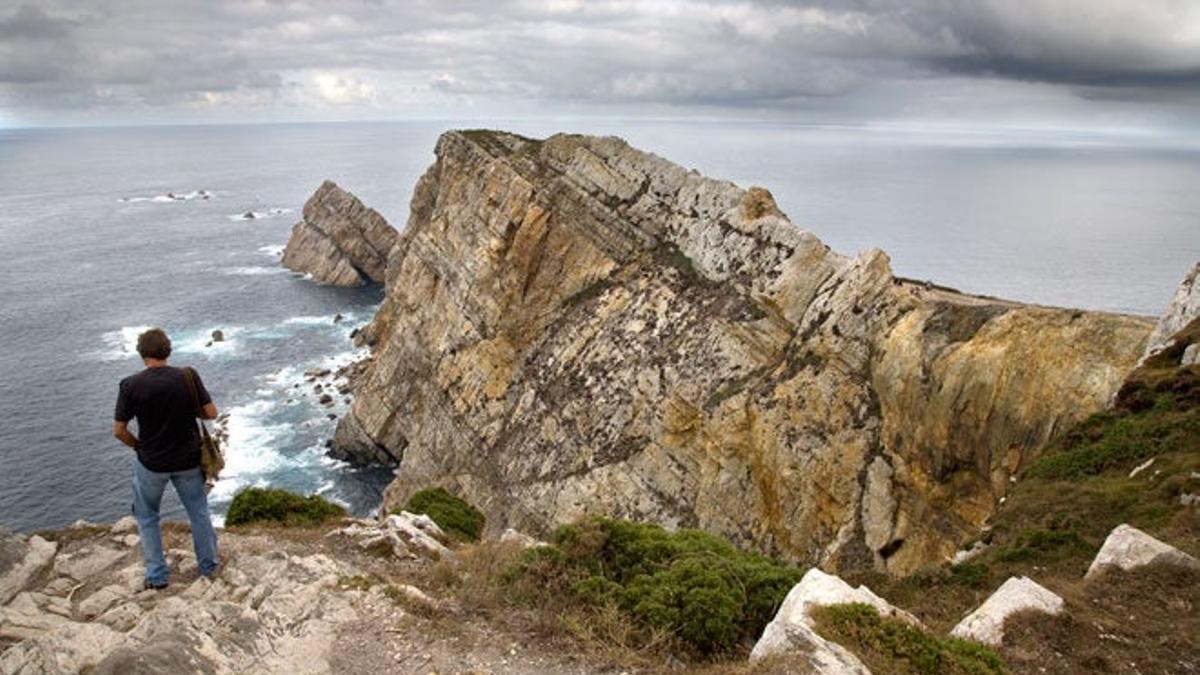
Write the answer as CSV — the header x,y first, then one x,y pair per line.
x,y
154,344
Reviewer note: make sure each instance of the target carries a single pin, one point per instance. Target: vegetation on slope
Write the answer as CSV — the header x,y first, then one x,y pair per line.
x,y
269,505
456,517
890,645
1057,516
695,587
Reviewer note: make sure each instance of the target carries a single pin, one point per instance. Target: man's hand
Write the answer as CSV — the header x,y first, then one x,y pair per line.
x,y
121,433
208,412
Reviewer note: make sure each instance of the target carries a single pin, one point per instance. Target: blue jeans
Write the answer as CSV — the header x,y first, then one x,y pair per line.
x,y
148,489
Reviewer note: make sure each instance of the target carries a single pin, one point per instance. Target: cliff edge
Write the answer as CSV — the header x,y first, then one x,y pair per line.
x,y
572,326
339,241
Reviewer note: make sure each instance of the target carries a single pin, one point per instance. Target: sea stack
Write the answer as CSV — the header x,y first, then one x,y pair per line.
x,y
573,326
339,241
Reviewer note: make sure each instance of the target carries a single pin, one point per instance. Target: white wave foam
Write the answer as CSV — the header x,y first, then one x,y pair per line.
x,y
175,197
260,215
252,447
275,250
254,271
120,344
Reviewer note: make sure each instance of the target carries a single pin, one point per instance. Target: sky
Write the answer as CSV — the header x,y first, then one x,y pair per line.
x,y
1122,65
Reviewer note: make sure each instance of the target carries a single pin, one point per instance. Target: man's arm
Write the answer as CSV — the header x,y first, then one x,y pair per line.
x,y
121,433
208,412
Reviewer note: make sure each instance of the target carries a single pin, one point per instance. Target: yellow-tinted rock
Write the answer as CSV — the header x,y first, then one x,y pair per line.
x,y
575,327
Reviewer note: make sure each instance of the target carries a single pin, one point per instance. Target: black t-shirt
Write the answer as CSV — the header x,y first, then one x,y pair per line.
x,y
159,398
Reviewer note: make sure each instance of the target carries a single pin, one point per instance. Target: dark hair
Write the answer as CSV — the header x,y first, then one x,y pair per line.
x,y
154,344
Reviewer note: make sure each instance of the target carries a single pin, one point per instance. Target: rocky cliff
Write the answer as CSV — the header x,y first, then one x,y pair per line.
x,y
574,326
339,241
1182,310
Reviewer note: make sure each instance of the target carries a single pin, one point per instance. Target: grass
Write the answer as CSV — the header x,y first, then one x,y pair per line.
x,y
888,645
699,589
456,517
269,505
1121,439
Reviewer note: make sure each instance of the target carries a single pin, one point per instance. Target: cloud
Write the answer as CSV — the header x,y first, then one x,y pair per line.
x,y
841,58
343,90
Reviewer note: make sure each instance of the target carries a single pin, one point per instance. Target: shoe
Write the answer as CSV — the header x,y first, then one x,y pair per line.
x,y
147,585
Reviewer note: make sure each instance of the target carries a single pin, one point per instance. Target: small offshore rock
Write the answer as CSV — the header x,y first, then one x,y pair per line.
x,y
339,241
325,399
986,623
337,318
249,215
218,335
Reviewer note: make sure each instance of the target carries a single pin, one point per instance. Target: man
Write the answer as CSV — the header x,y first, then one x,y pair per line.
x,y
168,450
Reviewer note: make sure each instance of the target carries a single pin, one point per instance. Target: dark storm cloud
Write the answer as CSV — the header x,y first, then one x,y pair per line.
x,y
392,55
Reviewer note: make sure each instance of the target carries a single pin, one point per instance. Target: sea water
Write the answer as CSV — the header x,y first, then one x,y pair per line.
x,y
105,232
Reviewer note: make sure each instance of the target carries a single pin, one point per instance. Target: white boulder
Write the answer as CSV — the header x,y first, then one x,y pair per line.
x,y
1128,547
986,623
419,532
792,629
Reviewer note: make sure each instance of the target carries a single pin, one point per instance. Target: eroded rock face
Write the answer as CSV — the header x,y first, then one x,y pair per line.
x,y
572,326
339,241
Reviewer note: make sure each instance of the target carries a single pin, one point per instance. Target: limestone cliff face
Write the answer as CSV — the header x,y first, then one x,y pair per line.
x,y
339,241
572,326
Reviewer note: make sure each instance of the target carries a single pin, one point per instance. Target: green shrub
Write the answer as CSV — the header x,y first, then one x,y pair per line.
x,y
1043,544
699,587
254,505
972,575
456,517
893,646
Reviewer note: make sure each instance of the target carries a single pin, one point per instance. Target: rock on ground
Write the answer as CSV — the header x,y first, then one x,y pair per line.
x,y
339,241
792,629
1127,548
573,326
986,623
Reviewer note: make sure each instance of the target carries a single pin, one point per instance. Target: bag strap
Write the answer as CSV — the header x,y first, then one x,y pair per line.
x,y
189,377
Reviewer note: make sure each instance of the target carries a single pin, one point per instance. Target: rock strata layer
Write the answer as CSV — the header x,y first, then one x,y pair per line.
x,y
339,241
573,326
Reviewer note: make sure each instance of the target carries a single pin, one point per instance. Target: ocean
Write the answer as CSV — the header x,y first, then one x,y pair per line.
x,y
106,231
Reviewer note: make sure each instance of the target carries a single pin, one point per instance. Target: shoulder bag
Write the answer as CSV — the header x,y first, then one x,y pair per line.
x,y
212,460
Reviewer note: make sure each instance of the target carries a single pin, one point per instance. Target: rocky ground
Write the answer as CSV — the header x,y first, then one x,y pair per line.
x,y
284,600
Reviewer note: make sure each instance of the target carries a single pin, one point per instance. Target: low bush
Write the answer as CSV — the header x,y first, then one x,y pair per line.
x,y
698,587
267,505
888,645
456,517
